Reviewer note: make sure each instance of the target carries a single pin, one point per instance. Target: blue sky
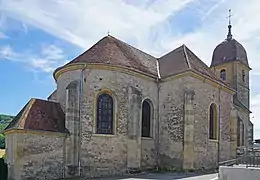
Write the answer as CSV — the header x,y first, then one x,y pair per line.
x,y
38,36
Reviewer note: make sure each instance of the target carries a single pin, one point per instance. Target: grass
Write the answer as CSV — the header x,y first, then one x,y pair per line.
x,y
2,152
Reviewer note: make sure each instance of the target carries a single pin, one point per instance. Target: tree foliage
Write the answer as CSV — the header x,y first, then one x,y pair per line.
x,y
4,121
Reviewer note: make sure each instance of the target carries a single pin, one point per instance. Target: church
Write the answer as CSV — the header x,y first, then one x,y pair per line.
x,y
118,110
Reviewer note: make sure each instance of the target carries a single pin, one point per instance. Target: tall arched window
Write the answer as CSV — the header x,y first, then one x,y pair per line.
x,y
146,119
243,76
238,132
223,74
105,114
213,122
242,134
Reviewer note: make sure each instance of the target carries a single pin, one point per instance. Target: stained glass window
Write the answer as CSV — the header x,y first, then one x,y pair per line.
x,y
105,115
146,119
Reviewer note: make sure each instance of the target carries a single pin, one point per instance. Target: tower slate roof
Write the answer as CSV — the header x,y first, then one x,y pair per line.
x,y
40,115
229,50
111,51
183,59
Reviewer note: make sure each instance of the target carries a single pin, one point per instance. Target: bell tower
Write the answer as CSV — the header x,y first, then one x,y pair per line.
x,y
230,64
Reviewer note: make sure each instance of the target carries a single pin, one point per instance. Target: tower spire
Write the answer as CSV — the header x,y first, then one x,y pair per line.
x,y
229,36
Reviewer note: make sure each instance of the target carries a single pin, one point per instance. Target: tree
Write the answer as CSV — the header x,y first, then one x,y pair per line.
x,y
4,121
2,141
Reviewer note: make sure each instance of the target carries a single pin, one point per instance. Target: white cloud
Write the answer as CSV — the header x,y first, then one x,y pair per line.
x,y
49,58
6,52
84,22
146,24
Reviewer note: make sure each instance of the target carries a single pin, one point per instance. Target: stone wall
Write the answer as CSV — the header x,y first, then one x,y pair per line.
x,y
171,103
62,82
171,122
109,154
35,156
148,153
245,118
243,92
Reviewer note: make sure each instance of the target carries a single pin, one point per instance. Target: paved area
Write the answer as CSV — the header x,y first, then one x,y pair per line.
x,y
168,176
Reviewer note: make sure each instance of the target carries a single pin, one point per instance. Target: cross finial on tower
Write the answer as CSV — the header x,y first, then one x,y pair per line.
x,y
229,17
108,33
229,36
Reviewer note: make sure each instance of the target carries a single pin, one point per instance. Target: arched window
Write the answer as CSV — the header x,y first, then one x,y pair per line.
x,y
242,134
146,119
213,122
223,74
105,114
238,133
243,76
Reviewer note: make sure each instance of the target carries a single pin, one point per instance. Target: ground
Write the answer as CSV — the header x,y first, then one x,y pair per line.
x,y
168,176
2,152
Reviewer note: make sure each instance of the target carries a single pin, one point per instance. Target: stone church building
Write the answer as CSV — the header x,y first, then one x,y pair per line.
x,y
117,109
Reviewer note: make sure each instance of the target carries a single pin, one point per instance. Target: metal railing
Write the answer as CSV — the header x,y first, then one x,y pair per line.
x,y
251,158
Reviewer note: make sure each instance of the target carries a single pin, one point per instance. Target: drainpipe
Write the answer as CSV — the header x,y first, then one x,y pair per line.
x,y
80,113
158,123
219,124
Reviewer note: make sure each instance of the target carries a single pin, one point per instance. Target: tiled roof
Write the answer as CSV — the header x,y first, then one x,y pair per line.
x,y
229,50
41,115
111,51
182,59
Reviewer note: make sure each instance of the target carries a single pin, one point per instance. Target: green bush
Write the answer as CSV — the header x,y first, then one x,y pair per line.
x,y
4,121
2,141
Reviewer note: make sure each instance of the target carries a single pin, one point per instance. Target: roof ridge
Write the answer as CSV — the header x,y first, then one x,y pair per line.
x,y
131,46
25,113
186,56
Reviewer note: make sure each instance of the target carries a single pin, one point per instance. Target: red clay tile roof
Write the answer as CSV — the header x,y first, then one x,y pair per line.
x,y
110,50
183,59
229,50
41,115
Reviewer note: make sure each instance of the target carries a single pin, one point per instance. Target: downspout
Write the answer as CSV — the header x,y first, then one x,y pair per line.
x,y
219,124
158,124
80,113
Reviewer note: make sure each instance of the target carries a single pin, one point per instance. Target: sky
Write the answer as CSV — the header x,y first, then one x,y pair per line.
x,y
38,36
